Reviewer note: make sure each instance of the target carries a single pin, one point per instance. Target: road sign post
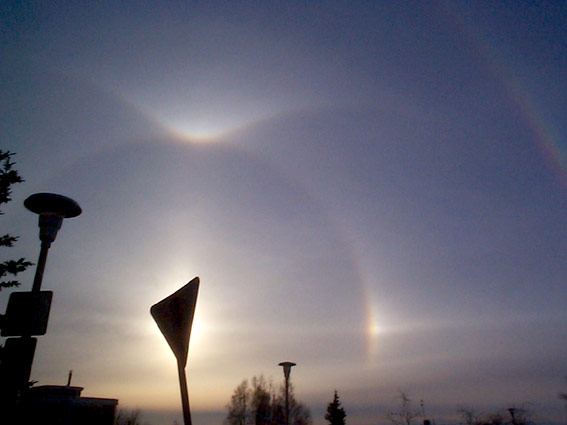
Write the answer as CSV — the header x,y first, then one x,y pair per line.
x,y
174,317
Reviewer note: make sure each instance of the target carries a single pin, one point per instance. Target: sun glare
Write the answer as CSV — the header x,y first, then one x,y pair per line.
x,y
196,344
201,130
375,329
193,131
196,135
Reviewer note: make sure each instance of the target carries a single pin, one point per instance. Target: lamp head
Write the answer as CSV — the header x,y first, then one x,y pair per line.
x,y
52,209
286,368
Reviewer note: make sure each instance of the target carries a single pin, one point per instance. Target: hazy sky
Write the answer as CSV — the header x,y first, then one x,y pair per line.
x,y
376,191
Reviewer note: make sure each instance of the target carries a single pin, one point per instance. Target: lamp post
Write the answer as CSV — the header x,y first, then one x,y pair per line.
x,y
512,411
28,312
286,370
52,209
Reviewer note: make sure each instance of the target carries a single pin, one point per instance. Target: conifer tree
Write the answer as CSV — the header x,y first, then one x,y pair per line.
x,y
335,413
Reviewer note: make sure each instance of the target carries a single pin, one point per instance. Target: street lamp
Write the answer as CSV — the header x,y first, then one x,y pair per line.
x,y
286,370
27,313
52,209
512,411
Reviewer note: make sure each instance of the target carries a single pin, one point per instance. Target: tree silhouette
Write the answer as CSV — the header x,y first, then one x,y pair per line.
x,y
125,417
517,416
335,413
8,177
299,414
468,416
406,414
260,404
563,396
238,406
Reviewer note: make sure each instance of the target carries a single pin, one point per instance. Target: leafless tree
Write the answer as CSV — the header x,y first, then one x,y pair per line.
x,y
520,415
128,417
238,406
261,407
406,413
260,404
512,416
468,416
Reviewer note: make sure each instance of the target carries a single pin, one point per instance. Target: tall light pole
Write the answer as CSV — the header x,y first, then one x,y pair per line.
x,y
512,411
52,209
28,312
286,370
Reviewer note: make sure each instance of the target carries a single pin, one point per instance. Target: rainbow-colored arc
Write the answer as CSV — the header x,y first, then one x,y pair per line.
x,y
550,142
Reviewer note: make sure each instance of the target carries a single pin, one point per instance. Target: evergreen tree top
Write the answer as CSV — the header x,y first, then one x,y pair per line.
x,y
335,412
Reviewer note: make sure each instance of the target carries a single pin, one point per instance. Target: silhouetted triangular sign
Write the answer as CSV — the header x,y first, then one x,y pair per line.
x,y
174,317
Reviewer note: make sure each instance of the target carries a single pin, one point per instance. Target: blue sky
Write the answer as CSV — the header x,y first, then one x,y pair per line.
x,y
373,190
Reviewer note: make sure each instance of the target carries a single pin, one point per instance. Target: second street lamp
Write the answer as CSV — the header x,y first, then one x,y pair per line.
x,y
287,370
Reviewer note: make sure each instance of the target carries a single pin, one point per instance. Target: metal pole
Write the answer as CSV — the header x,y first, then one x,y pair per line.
x,y
40,266
287,370
184,393
512,411
287,400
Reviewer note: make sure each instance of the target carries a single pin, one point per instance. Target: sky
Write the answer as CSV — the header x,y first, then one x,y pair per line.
x,y
376,191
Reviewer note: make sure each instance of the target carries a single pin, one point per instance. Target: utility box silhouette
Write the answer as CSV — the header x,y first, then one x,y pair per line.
x,y
27,313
